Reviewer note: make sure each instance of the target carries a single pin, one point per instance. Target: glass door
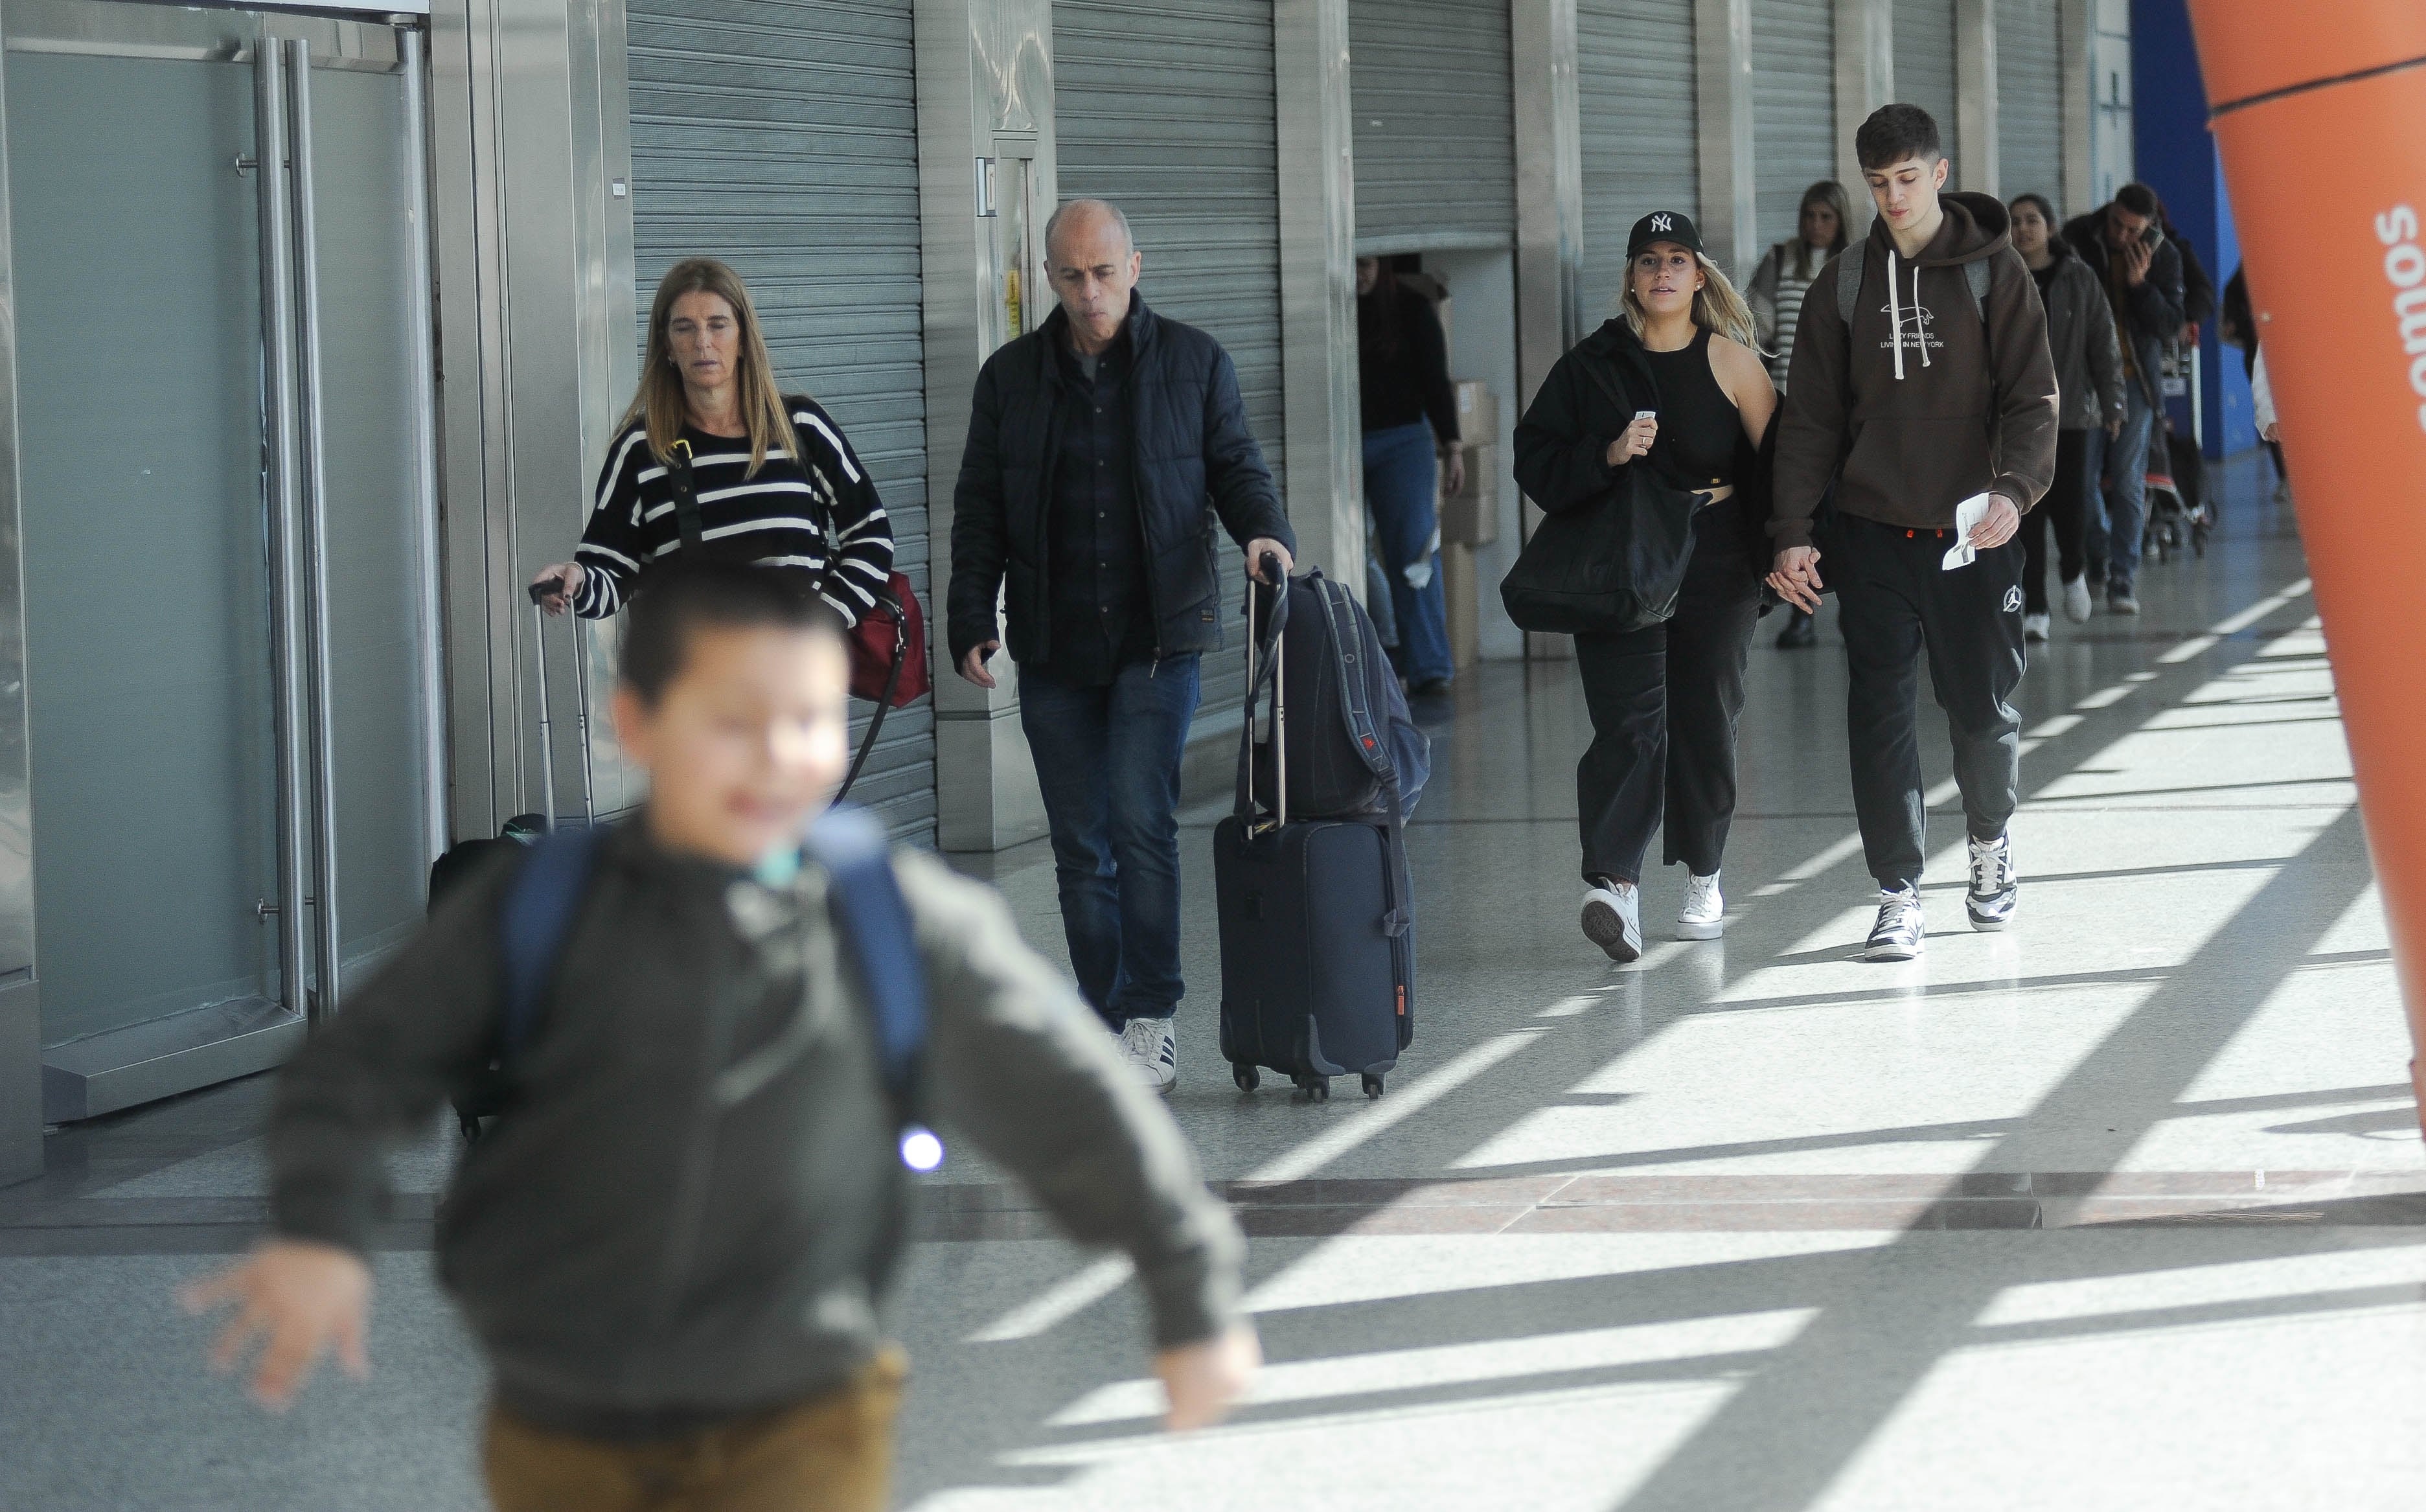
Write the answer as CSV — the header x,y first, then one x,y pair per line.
x,y
222,387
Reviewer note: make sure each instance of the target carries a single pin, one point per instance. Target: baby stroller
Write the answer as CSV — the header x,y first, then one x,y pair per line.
x,y
2180,514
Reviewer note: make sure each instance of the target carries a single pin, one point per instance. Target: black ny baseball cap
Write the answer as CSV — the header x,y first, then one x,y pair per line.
x,y
1665,225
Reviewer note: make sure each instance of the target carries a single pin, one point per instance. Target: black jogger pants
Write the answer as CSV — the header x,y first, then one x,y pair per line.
x,y
1894,600
1664,703
2062,508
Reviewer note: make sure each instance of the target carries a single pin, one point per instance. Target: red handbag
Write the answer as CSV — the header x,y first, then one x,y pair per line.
x,y
888,663
888,649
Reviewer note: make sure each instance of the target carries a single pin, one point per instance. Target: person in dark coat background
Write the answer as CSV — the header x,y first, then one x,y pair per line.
x,y
2142,270
1410,417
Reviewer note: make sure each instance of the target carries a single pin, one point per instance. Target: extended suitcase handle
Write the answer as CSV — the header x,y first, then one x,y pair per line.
x,y
539,595
1273,595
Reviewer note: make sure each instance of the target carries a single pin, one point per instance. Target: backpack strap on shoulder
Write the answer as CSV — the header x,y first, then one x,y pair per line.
x,y
864,897
1849,279
537,914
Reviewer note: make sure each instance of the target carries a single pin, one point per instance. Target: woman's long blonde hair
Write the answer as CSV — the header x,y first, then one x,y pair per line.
x,y
1716,306
662,402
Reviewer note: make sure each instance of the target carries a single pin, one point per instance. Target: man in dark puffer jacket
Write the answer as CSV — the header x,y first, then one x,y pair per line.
x,y
1103,448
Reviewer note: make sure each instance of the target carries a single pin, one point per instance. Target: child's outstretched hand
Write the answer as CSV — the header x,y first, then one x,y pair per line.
x,y
1206,1377
302,1297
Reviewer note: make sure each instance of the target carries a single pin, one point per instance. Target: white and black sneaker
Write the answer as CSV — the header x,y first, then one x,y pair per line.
x,y
1996,886
1153,1049
1901,928
1705,913
1613,918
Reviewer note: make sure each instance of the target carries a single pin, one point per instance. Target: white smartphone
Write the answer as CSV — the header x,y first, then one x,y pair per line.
x,y
1646,414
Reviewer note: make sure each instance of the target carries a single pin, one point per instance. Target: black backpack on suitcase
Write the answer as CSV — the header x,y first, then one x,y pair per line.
x,y
1316,914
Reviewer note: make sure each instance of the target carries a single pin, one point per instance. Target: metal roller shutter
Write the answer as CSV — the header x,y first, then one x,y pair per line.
x,y
1924,66
2030,99
783,137
1169,112
1794,109
1635,83
1436,124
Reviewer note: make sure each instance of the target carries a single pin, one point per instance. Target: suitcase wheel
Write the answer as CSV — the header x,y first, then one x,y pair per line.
x,y
1372,1084
1248,1077
1316,1088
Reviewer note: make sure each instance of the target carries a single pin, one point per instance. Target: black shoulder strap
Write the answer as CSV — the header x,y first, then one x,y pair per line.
x,y
685,490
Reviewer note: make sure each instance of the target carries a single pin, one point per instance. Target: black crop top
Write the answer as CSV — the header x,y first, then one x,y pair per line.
x,y
1698,423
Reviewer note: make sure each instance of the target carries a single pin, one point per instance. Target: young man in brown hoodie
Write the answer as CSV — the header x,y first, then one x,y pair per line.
x,y
1938,391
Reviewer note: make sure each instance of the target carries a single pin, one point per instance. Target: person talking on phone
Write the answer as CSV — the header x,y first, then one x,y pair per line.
x,y
1663,700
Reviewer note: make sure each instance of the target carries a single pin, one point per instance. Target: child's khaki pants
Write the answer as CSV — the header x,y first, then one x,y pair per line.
x,y
832,1452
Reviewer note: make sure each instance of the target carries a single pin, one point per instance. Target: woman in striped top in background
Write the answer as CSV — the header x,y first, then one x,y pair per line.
x,y
1825,226
776,484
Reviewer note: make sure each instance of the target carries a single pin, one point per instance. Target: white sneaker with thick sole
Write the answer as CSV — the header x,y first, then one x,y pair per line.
x,y
1996,886
1613,918
1704,915
1153,1049
2034,626
2077,607
1902,930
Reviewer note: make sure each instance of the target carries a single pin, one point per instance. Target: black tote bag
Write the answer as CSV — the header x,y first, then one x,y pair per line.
x,y
1611,564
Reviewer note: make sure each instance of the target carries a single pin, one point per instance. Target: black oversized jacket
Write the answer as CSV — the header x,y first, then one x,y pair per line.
x,y
1192,450
1562,454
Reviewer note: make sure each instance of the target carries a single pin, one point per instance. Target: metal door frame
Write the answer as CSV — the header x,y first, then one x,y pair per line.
x,y
155,1059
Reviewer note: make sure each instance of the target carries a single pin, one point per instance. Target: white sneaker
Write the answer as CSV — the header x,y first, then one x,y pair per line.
x,y
1704,915
1902,930
1613,918
1996,886
1153,1049
2034,626
2077,607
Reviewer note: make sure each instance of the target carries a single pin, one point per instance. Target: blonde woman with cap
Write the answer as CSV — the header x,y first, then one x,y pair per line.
x,y
713,456
1673,383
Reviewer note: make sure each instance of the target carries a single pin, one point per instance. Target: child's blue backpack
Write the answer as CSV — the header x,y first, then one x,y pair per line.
x,y
545,893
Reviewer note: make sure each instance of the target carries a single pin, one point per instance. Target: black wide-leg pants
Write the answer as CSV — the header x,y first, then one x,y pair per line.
x,y
1896,601
1664,702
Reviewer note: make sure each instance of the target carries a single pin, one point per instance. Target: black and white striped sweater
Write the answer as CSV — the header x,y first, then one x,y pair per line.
x,y
819,513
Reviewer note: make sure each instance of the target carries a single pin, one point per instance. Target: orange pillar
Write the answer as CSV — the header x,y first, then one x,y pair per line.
x,y
2319,116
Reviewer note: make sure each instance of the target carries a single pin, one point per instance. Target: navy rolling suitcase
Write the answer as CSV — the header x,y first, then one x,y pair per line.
x,y
1317,942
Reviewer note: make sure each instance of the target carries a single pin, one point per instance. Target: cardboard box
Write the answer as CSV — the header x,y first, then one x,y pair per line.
x,y
1471,517
1459,588
1478,413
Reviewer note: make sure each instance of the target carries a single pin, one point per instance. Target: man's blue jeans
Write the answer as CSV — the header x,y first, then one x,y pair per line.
x,y
1402,476
1108,760
2118,476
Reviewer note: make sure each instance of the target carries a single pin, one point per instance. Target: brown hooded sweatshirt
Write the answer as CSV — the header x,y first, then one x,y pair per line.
x,y
1922,418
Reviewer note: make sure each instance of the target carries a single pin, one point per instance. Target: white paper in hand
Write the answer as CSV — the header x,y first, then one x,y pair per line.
x,y
1967,514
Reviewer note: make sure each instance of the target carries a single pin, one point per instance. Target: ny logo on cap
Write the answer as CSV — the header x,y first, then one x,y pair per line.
x,y
1661,222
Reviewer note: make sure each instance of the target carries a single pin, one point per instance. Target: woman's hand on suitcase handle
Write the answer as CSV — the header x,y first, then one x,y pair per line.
x,y
1204,1378
299,1297
564,581
1796,578
1264,552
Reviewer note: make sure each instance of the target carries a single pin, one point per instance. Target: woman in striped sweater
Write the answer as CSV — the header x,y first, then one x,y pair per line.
x,y
773,481
1823,226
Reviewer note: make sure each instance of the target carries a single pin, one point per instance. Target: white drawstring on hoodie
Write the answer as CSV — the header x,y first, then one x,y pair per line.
x,y
1895,314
